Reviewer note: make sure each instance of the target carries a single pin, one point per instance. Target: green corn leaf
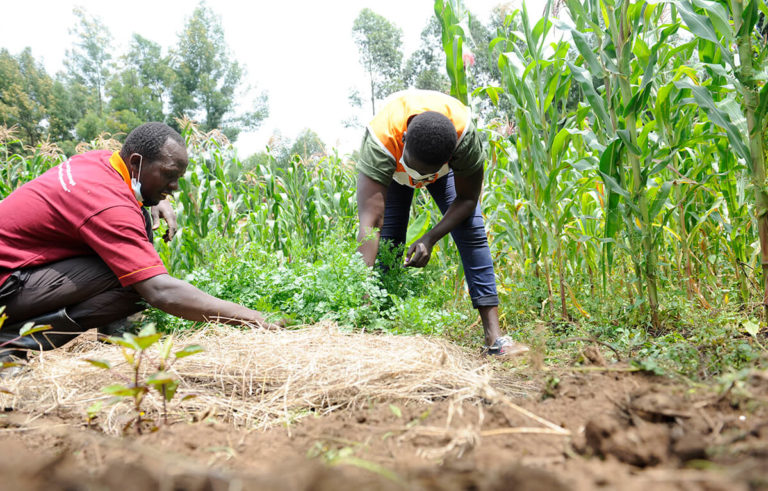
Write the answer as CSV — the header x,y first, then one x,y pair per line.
x,y
702,27
749,18
585,50
626,140
703,219
660,201
718,15
609,162
560,142
419,227
615,187
704,99
598,105
762,105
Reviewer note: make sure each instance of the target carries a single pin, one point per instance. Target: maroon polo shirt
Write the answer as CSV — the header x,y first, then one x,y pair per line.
x,y
84,206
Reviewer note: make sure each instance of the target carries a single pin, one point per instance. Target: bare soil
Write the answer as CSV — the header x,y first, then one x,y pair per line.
x,y
628,431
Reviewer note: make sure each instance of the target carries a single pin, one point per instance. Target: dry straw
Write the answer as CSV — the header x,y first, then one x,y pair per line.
x,y
254,378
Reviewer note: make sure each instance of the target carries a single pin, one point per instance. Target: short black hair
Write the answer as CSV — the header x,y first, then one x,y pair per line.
x,y
148,139
431,138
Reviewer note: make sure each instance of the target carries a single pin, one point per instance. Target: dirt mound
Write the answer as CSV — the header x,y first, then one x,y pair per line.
x,y
604,428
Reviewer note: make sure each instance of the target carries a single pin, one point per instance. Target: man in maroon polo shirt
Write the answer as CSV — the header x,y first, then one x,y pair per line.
x,y
76,249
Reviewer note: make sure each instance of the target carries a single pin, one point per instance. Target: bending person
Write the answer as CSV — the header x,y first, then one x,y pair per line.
x,y
426,139
76,248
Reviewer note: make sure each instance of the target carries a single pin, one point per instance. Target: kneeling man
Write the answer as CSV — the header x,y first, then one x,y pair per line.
x,y
76,249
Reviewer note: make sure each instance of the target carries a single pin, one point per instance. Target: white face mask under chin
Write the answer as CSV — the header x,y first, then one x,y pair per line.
x,y
136,185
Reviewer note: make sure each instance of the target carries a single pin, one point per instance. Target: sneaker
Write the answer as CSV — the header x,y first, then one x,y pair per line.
x,y
504,346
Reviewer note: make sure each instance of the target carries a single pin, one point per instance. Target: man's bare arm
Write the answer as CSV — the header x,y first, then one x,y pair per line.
x,y
182,299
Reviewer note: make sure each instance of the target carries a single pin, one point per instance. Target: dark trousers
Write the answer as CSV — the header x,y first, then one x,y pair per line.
x,y
469,236
84,285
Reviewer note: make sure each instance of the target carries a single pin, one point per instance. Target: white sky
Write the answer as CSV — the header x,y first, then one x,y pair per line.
x,y
300,52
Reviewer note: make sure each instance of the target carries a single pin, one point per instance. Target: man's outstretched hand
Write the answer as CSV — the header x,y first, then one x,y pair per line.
x,y
163,210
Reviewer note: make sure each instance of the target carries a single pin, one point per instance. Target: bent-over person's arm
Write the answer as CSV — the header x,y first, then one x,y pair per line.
x,y
371,198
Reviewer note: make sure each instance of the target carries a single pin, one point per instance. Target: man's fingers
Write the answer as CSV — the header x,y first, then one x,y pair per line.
x,y
171,230
155,213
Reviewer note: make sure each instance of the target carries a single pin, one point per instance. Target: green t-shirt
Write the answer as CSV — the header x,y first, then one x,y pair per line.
x,y
376,163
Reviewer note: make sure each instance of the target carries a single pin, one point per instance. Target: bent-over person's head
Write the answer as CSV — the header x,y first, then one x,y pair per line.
x,y
156,156
429,141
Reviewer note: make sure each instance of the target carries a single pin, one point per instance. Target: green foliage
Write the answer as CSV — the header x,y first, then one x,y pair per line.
x,y
18,168
622,200
197,80
25,93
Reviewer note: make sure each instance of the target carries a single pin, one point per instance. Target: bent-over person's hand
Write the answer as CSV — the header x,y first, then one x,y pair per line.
x,y
163,210
419,253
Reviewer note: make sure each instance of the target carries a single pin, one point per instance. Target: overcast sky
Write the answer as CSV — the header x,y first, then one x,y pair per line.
x,y
299,51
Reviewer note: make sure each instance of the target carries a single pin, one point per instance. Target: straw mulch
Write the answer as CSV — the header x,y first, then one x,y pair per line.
x,y
254,378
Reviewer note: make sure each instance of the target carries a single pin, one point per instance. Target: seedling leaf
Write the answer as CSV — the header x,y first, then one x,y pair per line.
x,y
99,363
189,350
160,378
94,409
165,351
170,390
30,328
121,390
145,342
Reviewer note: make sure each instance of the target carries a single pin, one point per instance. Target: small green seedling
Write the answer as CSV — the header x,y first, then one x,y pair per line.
x,y
27,330
134,348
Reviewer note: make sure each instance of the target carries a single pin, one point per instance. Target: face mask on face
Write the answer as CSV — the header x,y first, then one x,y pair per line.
x,y
416,176
136,185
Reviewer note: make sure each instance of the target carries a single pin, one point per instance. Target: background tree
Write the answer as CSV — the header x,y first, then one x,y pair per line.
x,y
424,68
139,94
379,43
88,62
308,146
25,93
68,106
207,78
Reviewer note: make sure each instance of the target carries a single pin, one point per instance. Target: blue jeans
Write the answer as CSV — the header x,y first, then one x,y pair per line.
x,y
469,236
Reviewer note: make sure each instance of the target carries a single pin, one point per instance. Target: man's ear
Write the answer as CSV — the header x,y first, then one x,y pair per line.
x,y
133,162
